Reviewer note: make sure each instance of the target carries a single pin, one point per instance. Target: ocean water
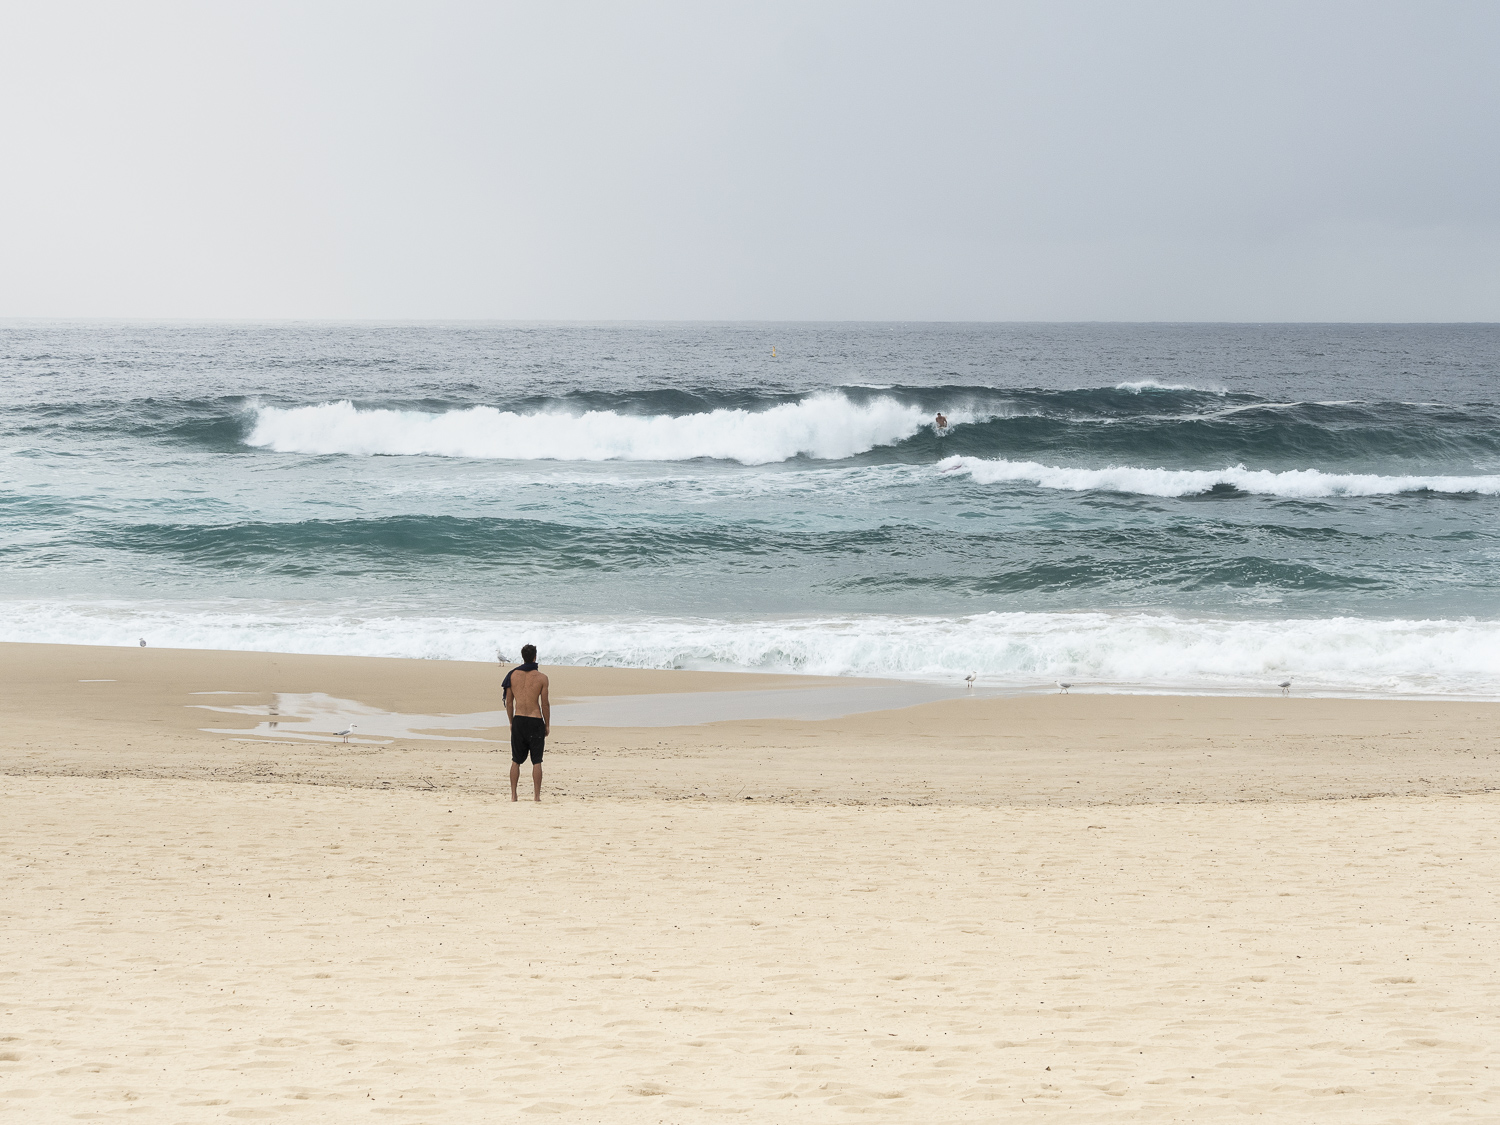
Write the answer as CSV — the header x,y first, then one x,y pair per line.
x,y
1148,507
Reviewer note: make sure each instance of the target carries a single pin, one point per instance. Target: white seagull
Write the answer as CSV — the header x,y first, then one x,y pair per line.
x,y
1286,687
1064,687
345,733
143,642
970,678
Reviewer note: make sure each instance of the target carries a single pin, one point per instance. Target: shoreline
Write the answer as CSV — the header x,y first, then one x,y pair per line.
x,y
120,712
739,678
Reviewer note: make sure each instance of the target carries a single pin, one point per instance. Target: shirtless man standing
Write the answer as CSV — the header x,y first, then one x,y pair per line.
x,y
530,713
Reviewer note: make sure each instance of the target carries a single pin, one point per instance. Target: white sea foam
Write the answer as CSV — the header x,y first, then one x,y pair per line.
x,y
1297,483
1139,385
827,426
1130,651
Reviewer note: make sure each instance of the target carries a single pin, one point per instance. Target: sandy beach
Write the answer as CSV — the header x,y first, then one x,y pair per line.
x,y
1071,908
1005,494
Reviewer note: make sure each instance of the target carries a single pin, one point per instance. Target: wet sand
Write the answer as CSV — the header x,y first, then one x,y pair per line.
x,y
1079,908
111,712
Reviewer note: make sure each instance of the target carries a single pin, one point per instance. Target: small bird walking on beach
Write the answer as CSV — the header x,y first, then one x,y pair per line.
x,y
970,678
345,733
1063,688
143,642
1286,687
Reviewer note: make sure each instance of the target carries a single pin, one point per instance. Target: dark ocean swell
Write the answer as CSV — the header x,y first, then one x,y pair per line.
x,y
1201,556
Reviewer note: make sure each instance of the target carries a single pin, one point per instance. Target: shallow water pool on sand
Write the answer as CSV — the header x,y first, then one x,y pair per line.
x,y
317,717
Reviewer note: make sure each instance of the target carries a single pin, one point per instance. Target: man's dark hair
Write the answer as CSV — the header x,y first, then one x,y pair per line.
x,y
528,653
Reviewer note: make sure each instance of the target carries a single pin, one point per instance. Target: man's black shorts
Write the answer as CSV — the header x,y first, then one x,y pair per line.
x,y
528,735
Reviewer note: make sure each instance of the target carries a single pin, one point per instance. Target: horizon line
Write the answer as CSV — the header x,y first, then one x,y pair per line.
x,y
710,321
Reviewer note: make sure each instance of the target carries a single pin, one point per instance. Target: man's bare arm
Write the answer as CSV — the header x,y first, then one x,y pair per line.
x,y
546,708
510,707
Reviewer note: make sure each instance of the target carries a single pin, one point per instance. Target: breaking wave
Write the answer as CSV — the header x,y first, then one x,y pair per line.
x,y
1132,423
1291,483
826,426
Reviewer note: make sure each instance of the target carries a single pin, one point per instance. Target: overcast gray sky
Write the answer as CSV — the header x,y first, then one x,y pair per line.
x,y
943,161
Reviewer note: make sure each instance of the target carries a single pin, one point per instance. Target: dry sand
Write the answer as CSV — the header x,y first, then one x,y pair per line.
x,y
1061,908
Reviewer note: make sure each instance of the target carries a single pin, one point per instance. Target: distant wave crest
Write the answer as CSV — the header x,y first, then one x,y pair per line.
x,y
826,426
1138,386
1293,483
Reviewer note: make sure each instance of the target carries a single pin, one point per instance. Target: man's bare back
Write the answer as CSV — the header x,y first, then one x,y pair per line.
x,y
530,714
528,696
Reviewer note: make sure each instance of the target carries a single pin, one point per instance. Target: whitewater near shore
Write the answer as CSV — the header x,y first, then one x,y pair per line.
x,y
1081,908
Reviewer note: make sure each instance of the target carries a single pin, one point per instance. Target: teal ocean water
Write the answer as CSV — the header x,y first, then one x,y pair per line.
x,y
1158,506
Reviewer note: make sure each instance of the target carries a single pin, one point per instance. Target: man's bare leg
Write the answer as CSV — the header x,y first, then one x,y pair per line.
x,y
515,776
536,780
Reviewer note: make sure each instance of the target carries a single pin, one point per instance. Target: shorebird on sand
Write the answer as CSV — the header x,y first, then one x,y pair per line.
x,y
970,678
1062,687
1286,687
345,733
143,642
